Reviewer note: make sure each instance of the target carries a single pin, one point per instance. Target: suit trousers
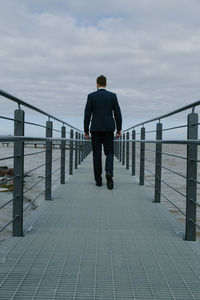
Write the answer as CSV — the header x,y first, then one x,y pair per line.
x,y
104,138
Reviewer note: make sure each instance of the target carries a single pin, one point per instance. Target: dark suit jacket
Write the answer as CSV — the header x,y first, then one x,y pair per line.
x,y
101,105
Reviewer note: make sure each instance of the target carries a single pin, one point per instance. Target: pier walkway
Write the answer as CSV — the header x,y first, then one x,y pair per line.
x,y
93,243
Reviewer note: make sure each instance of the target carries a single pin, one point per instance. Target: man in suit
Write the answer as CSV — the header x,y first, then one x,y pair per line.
x,y
101,105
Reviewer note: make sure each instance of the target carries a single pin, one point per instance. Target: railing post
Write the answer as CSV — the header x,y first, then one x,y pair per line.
x,y
127,150
71,152
79,149
76,151
117,147
123,149
114,146
191,185
18,175
88,147
142,156
48,169
82,147
158,164
63,145
120,149
133,153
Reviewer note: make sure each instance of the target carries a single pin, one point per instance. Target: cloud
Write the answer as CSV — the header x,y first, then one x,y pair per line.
x,y
52,51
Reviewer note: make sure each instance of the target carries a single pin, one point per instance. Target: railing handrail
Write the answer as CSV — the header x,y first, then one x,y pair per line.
x,y
21,102
28,138
186,107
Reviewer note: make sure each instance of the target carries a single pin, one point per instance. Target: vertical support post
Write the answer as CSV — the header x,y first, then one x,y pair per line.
x,y
76,151
142,156
117,146
158,164
133,153
79,149
82,147
71,152
48,168
127,151
120,149
63,144
123,149
114,146
191,185
18,174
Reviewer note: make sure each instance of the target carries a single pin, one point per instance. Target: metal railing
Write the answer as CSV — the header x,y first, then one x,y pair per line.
x,y
152,167
78,148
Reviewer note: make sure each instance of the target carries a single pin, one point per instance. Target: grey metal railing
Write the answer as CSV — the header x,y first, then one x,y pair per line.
x,y
151,170
77,149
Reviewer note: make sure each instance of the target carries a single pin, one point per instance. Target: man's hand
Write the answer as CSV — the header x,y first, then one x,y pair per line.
x,y
86,135
118,134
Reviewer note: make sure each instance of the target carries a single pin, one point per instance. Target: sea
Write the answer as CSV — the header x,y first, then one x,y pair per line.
x,y
173,187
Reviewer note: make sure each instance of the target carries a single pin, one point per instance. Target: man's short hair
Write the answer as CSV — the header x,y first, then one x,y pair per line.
x,y
101,80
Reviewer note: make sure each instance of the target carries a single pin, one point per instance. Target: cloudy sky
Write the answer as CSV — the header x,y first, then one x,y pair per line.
x,y
51,52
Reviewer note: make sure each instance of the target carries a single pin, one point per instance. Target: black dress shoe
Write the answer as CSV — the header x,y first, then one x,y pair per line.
x,y
98,183
110,183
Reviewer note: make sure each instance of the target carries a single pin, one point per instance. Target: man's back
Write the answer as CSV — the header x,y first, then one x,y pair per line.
x,y
101,105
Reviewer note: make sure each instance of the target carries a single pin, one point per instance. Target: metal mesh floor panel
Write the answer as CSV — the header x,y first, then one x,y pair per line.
x,y
93,243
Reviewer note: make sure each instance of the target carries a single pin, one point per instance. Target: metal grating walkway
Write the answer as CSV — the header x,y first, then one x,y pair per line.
x,y
92,243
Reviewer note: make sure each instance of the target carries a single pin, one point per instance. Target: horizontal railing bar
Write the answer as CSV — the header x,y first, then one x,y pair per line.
x,y
197,225
172,204
55,180
8,179
21,102
34,185
55,159
175,127
195,124
8,157
192,105
35,124
173,155
6,118
150,131
172,171
149,182
3,228
2,206
149,171
34,153
56,170
56,130
196,203
28,138
196,181
35,169
148,150
150,161
33,200
173,188
24,138
173,142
